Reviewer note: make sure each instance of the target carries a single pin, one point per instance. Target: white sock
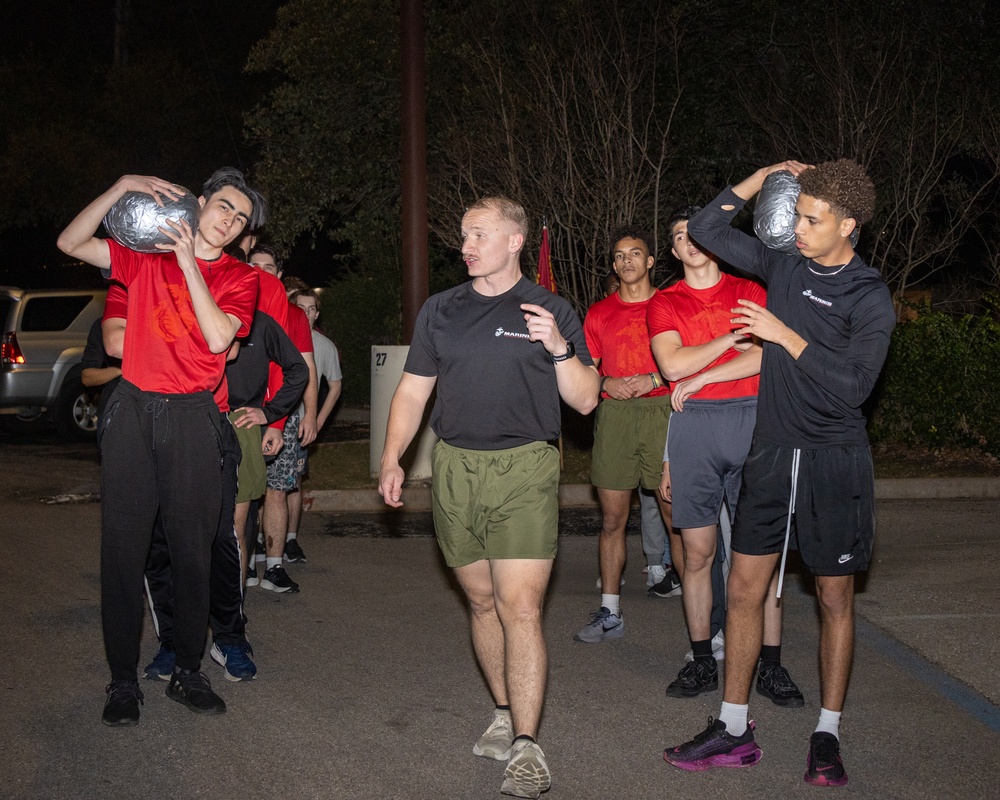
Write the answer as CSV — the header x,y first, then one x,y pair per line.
x,y
290,535
735,717
612,603
829,722
273,562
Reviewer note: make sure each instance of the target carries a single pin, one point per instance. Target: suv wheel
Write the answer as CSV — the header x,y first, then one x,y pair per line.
x,y
75,414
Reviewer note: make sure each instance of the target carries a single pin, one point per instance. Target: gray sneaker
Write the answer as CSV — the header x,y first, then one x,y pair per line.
x,y
527,774
603,625
496,741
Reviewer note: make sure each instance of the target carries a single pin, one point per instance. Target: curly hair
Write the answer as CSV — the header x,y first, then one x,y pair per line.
x,y
843,184
633,232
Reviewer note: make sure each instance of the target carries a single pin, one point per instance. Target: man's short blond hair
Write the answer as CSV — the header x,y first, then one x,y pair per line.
x,y
506,209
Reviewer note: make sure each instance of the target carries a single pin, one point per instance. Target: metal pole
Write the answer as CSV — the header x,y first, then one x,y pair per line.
x,y
416,283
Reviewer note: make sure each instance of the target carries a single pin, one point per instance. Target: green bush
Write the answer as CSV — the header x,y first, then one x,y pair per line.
x,y
361,309
939,383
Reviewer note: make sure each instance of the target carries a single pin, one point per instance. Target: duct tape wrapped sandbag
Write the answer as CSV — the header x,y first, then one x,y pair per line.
x,y
774,214
134,221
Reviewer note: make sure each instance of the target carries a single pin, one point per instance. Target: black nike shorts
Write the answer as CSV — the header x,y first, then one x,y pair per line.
x,y
833,523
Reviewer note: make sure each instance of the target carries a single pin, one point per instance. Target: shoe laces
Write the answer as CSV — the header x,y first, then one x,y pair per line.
x,y
196,681
119,691
600,615
711,730
826,750
779,678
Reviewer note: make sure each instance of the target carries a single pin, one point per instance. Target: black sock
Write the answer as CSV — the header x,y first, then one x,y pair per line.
x,y
503,708
770,655
702,650
525,737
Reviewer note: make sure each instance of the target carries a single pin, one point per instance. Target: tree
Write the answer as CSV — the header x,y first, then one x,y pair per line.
x,y
890,85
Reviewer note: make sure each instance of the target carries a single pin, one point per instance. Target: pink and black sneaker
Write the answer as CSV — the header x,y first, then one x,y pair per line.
x,y
713,747
824,766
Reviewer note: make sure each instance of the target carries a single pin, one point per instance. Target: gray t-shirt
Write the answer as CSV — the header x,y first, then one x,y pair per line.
x,y
496,389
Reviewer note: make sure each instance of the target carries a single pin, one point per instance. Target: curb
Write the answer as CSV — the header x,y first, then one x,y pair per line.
x,y
581,495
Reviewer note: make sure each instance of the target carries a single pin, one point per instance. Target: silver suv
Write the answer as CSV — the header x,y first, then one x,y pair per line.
x,y
44,333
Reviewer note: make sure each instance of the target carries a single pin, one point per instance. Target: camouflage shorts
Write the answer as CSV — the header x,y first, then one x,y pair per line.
x,y
285,472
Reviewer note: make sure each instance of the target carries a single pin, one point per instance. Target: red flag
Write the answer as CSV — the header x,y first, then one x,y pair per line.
x,y
545,277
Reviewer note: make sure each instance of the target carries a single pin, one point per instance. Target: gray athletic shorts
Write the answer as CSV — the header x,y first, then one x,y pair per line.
x,y
708,442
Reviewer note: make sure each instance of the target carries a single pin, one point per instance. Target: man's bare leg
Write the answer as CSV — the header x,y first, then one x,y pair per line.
x,y
749,579
294,511
674,541
519,591
476,581
275,522
699,554
615,507
240,518
836,637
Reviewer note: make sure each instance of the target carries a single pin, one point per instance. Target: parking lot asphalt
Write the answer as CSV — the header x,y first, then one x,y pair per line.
x,y
367,685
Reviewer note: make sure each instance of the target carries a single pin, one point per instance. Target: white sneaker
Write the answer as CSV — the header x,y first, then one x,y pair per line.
x,y
495,741
601,586
654,575
718,648
527,773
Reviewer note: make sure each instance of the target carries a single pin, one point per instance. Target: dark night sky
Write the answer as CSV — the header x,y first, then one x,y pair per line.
x,y
78,36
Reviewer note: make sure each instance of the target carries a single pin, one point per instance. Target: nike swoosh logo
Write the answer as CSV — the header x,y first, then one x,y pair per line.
x,y
844,559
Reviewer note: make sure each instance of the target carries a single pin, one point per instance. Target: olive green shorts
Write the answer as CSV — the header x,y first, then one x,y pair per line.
x,y
252,476
495,504
629,437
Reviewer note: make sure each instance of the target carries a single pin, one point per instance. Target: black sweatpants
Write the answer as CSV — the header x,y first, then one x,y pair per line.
x,y
161,454
226,615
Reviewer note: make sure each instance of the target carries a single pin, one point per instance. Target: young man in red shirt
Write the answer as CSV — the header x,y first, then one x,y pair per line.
x,y
162,443
631,426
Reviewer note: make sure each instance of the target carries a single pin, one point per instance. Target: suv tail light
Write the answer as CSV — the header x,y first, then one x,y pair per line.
x,y
10,353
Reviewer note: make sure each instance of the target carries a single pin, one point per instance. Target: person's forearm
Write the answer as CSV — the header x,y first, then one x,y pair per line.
x,y
218,327
310,397
98,376
748,187
77,239
745,365
405,414
331,400
678,363
579,384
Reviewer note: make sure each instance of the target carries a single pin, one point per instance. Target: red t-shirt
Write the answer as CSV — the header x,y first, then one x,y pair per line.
x,y
617,335
165,350
700,315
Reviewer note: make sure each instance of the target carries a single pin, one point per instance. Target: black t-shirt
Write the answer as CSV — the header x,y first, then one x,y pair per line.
x,y
845,314
495,388
247,374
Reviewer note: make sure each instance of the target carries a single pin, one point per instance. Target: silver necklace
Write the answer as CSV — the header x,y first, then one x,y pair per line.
x,y
826,274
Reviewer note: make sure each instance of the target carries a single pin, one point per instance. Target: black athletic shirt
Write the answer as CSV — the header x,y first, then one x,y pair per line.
x,y
845,315
495,388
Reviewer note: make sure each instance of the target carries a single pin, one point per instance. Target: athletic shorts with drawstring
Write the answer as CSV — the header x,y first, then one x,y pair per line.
x,y
833,521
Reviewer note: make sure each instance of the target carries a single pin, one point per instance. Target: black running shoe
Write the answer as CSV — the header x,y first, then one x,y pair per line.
x,y
122,705
293,552
697,677
777,685
277,580
824,766
193,689
670,586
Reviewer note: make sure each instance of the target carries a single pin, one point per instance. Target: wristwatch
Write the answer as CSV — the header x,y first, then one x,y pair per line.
x,y
570,352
